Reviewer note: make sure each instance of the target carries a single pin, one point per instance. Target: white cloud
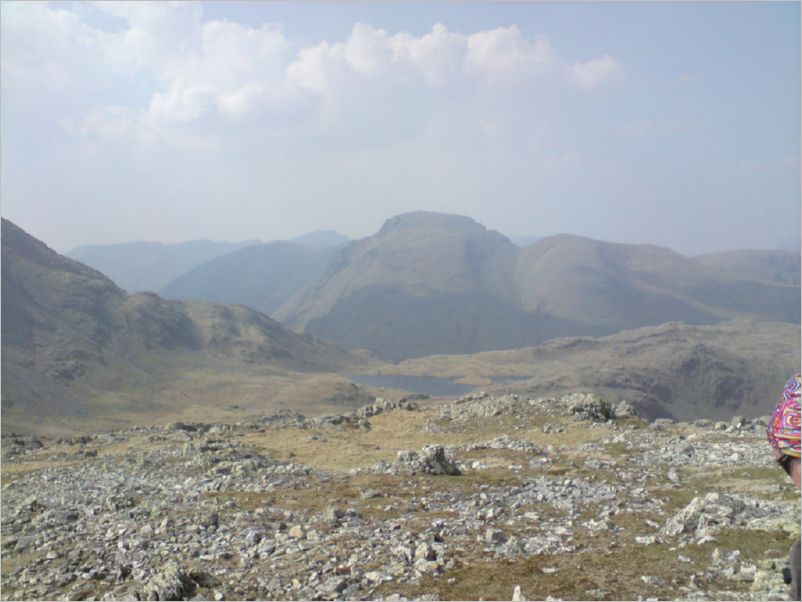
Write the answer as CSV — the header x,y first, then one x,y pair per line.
x,y
189,71
174,118
102,123
44,48
152,120
591,74
368,50
159,36
506,53
438,54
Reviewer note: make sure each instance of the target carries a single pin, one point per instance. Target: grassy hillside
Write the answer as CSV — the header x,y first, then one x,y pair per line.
x,y
78,350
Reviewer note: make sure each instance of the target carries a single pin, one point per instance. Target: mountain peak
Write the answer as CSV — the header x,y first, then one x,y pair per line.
x,y
429,219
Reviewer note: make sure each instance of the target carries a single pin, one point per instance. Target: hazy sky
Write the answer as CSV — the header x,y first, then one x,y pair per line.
x,y
676,124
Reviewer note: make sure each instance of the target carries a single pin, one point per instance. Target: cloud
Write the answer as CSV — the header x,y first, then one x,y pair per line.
x,y
156,114
102,123
595,72
438,54
45,49
505,53
183,71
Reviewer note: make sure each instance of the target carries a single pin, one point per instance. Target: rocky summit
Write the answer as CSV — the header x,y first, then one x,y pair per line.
x,y
478,497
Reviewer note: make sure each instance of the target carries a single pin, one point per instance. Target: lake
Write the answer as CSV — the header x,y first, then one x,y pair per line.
x,y
425,385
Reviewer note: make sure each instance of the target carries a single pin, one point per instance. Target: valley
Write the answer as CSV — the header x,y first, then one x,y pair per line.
x,y
400,301
185,449
82,355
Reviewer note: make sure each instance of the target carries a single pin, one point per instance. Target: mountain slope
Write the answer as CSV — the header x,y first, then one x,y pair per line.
x,y
672,370
611,286
75,344
777,267
431,283
425,283
261,276
149,266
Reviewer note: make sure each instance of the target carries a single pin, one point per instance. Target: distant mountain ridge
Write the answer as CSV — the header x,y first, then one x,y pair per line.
x,y
430,283
422,279
149,266
261,276
80,353
155,267
777,267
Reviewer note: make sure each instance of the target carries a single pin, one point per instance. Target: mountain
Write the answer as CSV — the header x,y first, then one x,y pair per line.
x,y
607,287
76,345
261,276
323,238
777,267
149,266
426,283
672,370
430,283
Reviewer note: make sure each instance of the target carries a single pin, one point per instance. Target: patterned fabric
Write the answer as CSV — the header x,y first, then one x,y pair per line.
x,y
783,429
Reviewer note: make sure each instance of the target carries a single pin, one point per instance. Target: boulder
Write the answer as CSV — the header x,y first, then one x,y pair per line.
x,y
431,460
624,409
425,552
588,406
171,583
712,511
435,461
495,536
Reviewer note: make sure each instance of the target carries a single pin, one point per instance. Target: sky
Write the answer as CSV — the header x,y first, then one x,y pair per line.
x,y
675,124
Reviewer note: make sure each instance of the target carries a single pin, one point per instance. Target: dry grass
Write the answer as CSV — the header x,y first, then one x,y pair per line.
x,y
604,567
57,457
12,561
194,391
343,449
13,472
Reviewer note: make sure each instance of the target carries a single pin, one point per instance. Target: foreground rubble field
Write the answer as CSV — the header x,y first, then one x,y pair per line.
x,y
566,498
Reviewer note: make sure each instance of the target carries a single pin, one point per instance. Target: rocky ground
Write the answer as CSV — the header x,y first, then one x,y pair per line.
x,y
475,498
